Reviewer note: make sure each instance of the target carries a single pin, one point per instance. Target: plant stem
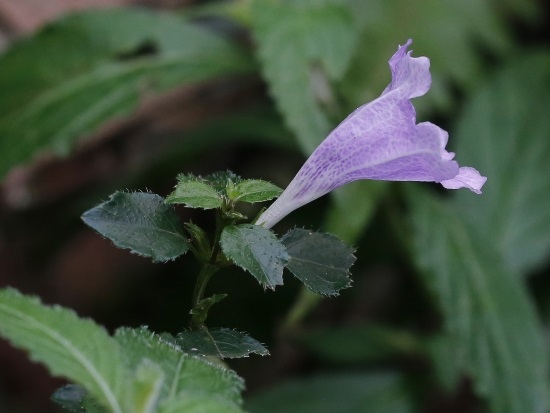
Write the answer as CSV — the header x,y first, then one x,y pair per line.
x,y
206,272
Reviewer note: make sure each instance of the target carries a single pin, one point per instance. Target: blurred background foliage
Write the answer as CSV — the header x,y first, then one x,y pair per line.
x,y
450,305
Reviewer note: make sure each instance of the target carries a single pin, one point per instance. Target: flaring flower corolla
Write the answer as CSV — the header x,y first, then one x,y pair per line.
x,y
379,140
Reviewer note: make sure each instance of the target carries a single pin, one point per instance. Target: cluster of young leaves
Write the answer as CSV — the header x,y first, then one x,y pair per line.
x,y
148,225
134,370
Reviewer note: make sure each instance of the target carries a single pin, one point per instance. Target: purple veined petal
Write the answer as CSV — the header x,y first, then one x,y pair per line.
x,y
379,140
467,178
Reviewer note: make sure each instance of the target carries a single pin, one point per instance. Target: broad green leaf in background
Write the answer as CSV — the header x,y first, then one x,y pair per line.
x,y
257,250
95,66
441,30
141,222
195,192
184,375
361,343
219,342
302,45
320,261
349,393
504,133
489,321
73,348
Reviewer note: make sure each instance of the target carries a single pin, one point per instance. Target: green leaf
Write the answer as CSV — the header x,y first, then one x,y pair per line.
x,y
302,45
74,348
193,192
255,190
504,134
257,250
320,261
490,323
148,381
361,343
219,342
93,66
141,222
330,393
183,374
435,25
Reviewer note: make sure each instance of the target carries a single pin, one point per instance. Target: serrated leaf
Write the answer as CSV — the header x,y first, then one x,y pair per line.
x,y
320,261
87,68
504,133
183,374
255,190
74,348
195,194
330,393
257,250
141,222
490,323
219,342
302,45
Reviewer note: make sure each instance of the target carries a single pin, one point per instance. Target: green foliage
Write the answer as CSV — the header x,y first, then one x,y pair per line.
x,y
213,191
320,261
302,46
194,192
254,190
183,374
95,66
441,30
504,132
133,371
219,342
77,349
490,324
141,222
350,393
257,250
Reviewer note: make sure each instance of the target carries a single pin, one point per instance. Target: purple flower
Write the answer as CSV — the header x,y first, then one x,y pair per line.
x,y
380,140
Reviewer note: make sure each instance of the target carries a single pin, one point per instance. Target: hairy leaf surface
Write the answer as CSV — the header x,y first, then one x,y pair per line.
x,y
257,250
74,348
141,222
320,261
220,342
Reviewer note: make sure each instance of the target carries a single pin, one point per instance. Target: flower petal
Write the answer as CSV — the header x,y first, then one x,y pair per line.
x,y
467,178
